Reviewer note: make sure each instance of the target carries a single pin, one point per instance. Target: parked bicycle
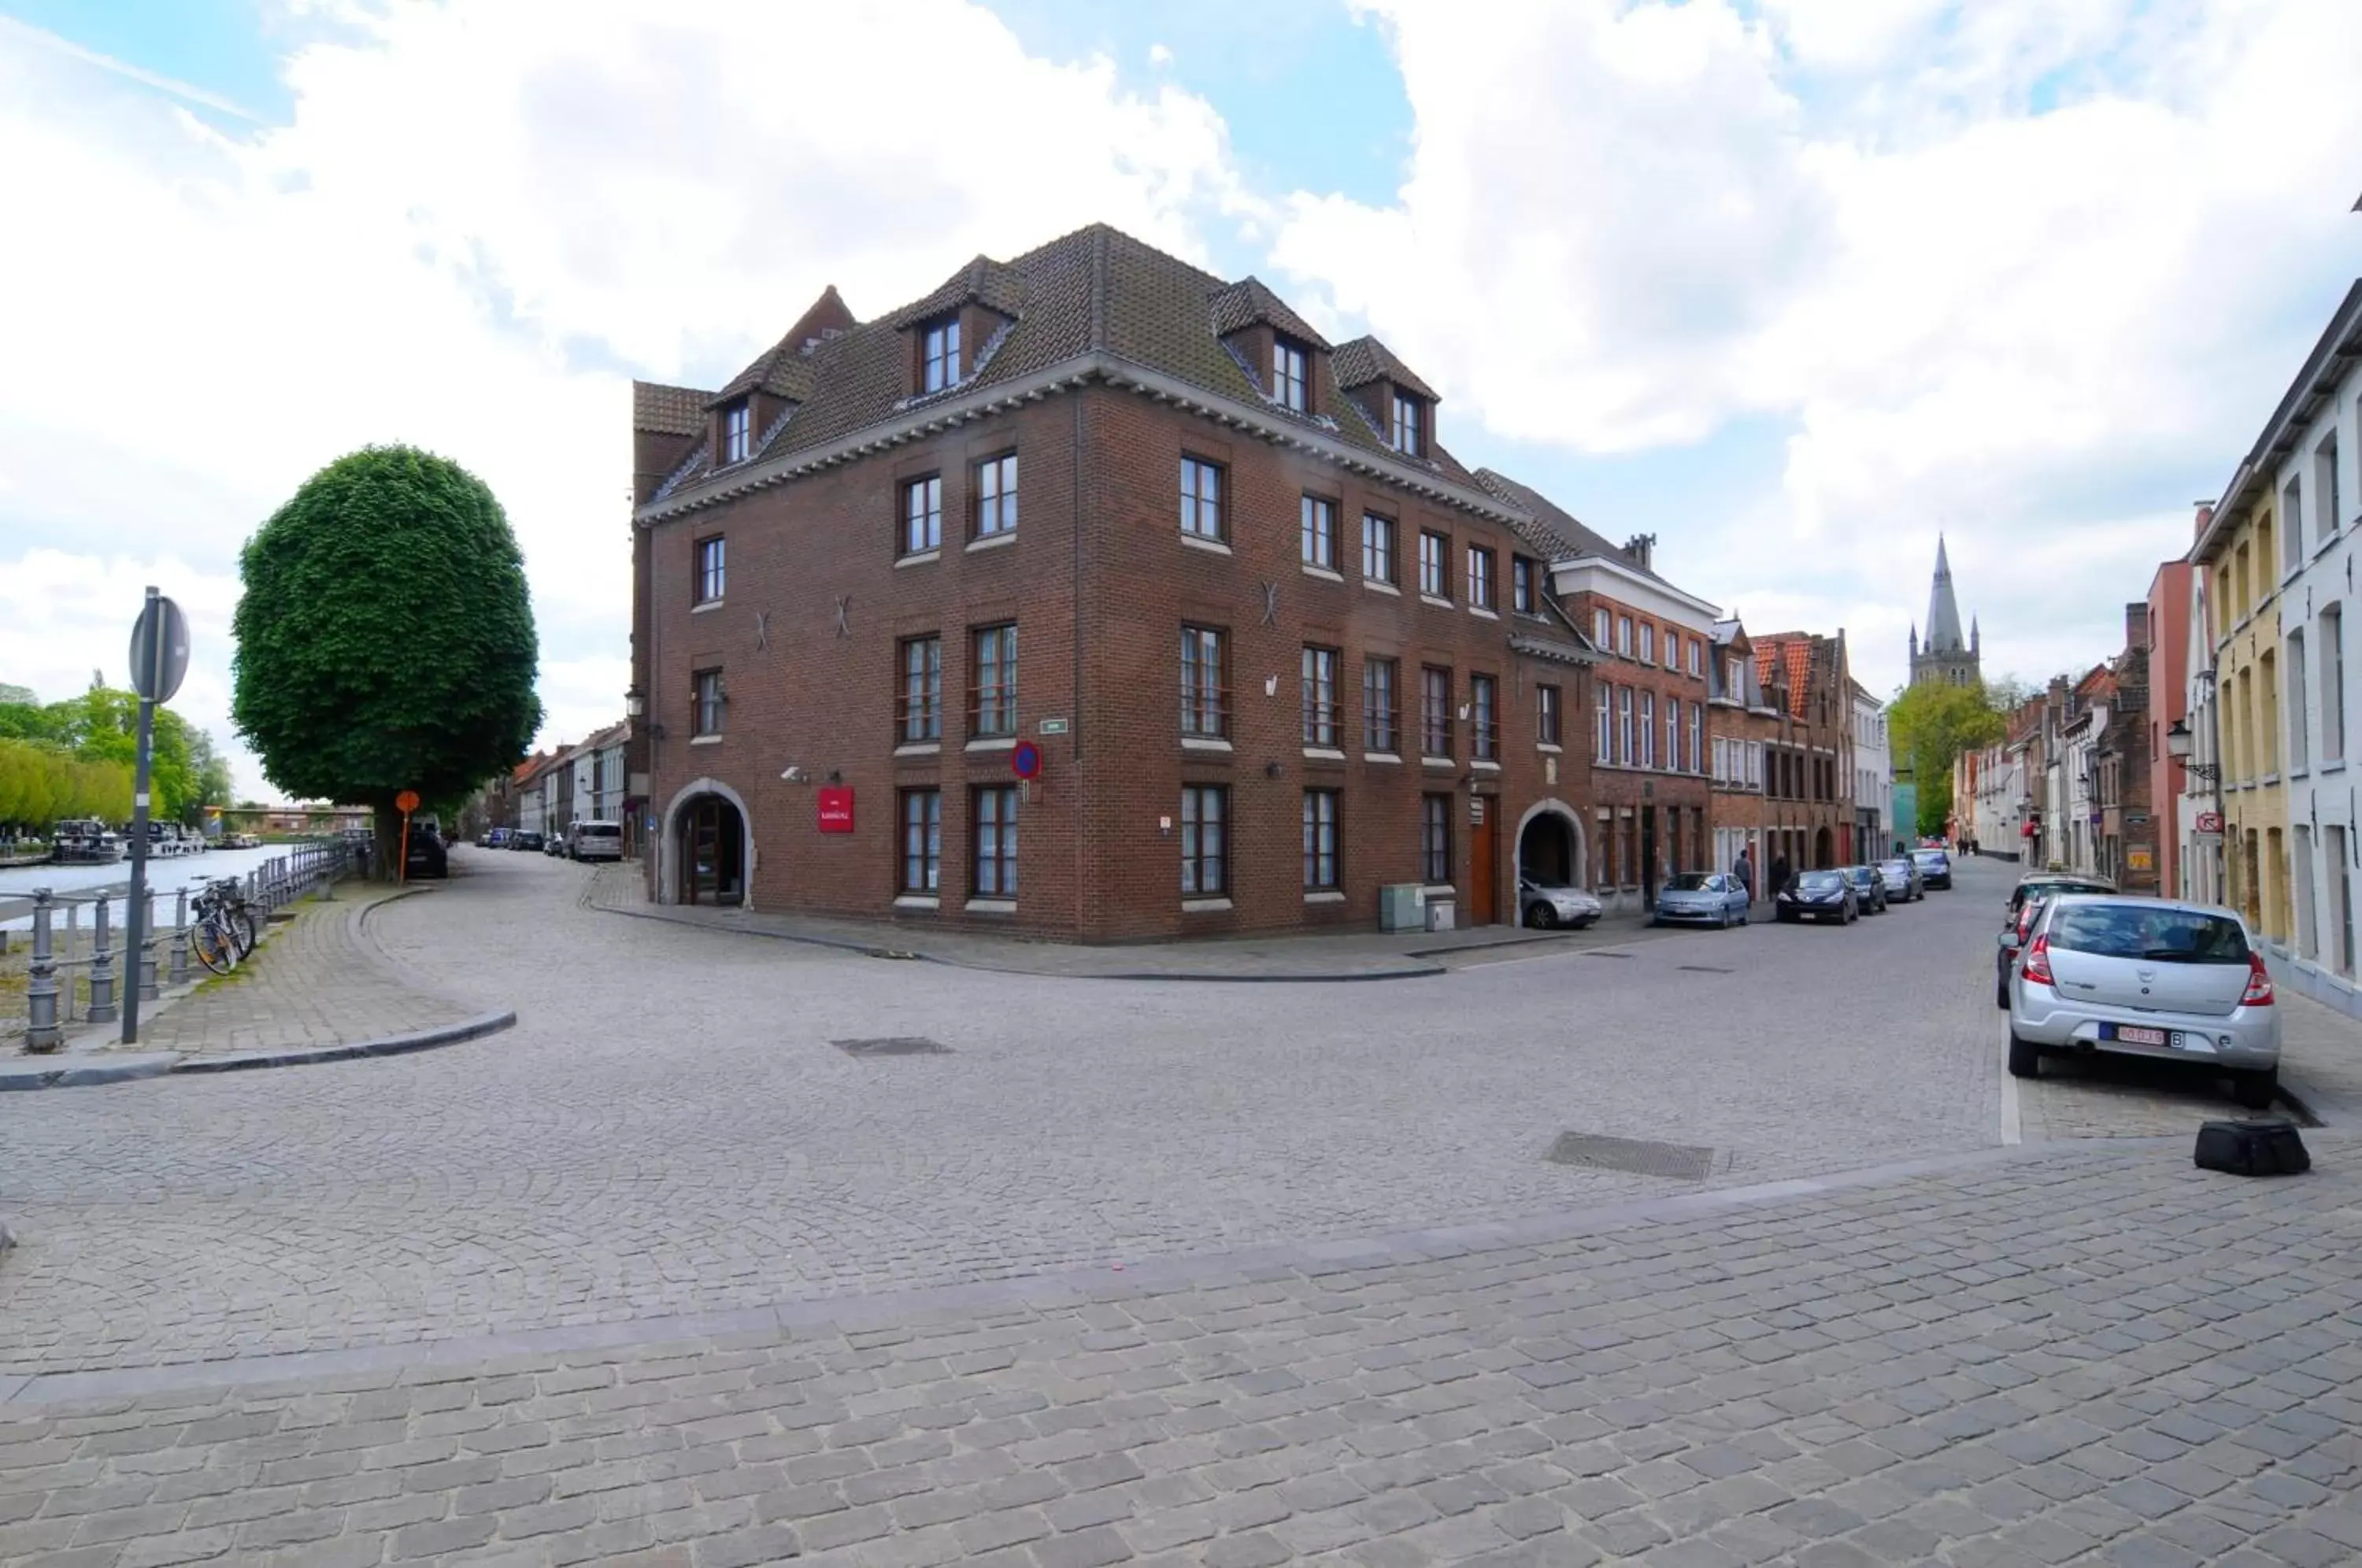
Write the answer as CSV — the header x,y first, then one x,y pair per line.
x,y
224,931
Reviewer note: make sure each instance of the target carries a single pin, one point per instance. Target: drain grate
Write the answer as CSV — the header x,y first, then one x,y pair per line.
x,y
1682,1162
1704,969
893,1046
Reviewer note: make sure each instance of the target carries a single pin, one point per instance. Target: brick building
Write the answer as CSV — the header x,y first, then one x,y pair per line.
x,y
1273,647
1808,754
2128,831
1743,727
1649,790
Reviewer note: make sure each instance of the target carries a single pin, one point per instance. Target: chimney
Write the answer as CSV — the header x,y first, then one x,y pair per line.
x,y
1641,549
2205,515
2137,624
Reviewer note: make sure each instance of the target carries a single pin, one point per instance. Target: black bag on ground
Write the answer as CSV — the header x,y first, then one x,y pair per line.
x,y
2252,1148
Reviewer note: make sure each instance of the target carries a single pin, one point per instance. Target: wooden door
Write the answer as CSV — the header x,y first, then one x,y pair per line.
x,y
1480,860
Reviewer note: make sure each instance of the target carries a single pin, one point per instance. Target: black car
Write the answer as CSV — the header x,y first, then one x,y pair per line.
x,y
427,855
2034,890
527,840
1868,888
1816,896
1935,868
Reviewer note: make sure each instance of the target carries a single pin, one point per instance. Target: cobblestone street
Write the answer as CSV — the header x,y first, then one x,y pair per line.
x,y
1181,1272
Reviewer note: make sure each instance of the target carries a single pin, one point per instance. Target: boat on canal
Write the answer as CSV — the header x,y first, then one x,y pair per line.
x,y
85,841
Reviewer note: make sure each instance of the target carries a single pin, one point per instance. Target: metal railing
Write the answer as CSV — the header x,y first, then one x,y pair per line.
x,y
75,970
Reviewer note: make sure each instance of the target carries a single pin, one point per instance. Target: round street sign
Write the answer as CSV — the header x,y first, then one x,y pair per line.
x,y
1025,761
407,803
155,672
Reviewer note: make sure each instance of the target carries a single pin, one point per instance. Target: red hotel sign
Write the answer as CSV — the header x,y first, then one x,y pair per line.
x,y
836,810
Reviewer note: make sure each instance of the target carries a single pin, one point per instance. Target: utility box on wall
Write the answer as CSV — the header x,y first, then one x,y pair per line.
x,y
1400,907
1440,914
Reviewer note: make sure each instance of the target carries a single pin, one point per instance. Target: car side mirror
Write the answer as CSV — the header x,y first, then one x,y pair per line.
x,y
2009,941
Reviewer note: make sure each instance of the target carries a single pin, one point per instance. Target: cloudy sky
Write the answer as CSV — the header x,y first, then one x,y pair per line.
x,y
1791,284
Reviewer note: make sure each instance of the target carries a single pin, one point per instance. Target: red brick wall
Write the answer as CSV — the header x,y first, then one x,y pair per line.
x,y
1093,857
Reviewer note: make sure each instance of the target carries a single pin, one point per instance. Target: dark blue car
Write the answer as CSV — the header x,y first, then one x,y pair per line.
x,y
1935,868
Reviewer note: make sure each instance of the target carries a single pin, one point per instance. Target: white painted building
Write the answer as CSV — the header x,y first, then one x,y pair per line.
x,y
1874,775
2307,458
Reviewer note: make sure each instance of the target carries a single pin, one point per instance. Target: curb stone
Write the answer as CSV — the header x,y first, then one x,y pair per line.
x,y
391,1045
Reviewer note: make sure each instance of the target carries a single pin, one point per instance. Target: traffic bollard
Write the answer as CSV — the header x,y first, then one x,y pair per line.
x,y
102,971
42,1031
146,954
181,937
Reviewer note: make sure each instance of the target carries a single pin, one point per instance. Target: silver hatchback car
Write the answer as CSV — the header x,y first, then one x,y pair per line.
x,y
2154,977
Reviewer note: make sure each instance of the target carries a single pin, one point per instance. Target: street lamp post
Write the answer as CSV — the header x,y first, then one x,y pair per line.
x,y
2178,745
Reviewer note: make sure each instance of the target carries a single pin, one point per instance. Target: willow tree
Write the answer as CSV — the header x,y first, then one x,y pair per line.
x,y
386,639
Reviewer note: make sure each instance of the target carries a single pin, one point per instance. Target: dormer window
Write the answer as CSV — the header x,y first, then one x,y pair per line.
x,y
939,362
1410,423
1288,366
737,432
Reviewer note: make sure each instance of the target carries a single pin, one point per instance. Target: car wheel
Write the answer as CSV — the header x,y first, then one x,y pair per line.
x,y
2256,1091
2024,1057
1542,916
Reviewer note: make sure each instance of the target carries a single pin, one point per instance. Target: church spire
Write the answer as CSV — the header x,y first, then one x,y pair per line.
x,y
1943,610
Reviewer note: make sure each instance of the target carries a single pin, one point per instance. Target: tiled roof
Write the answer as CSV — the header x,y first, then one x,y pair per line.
x,y
1365,360
1786,661
784,370
1096,289
1247,302
1554,530
668,411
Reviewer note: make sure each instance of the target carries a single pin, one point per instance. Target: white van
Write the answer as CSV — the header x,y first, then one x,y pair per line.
x,y
595,841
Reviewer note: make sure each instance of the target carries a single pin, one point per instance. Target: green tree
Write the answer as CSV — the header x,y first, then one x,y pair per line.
x,y
103,726
1930,726
386,640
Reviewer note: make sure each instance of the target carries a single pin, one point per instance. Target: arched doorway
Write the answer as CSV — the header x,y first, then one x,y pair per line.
x,y
1823,851
707,848
1549,848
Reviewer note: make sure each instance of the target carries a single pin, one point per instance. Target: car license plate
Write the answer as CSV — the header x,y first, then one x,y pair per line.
x,y
2132,1035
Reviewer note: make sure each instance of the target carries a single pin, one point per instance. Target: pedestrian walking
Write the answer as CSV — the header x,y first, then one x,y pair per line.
x,y
1779,873
1744,870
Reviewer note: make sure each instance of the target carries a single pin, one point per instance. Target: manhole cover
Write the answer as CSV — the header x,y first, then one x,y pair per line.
x,y
1682,1162
1704,969
893,1046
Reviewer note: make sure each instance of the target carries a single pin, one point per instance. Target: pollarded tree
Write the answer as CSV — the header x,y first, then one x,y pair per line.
x,y
386,641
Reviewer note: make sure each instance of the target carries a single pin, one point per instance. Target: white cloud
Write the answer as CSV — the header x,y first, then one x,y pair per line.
x,y
2030,252
477,224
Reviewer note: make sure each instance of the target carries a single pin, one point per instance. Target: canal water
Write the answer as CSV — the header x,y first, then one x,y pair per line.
x,y
166,874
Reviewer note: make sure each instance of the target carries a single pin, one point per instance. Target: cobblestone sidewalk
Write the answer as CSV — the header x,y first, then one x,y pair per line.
x,y
2094,1357
318,981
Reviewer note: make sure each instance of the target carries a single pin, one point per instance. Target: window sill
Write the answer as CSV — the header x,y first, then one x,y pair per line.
x,y
918,901
2268,779
1204,906
919,748
1482,766
1323,754
1480,610
921,558
705,740
1204,743
993,743
2323,547
2333,767
1545,746
1438,890
1322,572
1427,598
1330,896
1444,763
991,906
992,541
1197,542
1377,586
1389,757
701,609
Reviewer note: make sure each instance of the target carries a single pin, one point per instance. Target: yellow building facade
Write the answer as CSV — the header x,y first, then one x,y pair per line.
x,y
2239,557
